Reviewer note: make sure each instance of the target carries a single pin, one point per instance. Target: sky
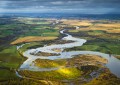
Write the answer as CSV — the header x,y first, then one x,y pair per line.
x,y
60,6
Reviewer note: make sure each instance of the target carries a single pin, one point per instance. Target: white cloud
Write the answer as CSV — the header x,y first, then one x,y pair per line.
x,y
57,2
80,6
3,3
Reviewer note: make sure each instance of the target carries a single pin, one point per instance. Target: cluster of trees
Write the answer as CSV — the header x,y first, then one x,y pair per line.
x,y
21,82
105,78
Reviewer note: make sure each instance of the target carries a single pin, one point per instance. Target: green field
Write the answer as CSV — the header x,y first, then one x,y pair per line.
x,y
10,58
60,74
98,40
69,70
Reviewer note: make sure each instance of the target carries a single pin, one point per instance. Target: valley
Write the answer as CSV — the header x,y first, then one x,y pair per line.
x,y
50,51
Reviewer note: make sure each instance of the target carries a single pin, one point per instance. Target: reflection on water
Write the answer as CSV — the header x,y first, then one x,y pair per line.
x,y
113,63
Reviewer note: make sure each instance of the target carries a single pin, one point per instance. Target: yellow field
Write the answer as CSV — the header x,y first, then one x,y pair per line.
x,y
77,22
31,39
108,26
107,29
111,27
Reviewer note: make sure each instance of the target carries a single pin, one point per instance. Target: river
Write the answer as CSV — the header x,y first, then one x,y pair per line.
x,y
113,63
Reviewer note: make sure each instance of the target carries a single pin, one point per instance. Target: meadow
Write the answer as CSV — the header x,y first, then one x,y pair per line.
x,y
17,31
101,35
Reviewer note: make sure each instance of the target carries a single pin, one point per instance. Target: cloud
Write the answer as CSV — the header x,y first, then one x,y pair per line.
x,y
57,3
80,6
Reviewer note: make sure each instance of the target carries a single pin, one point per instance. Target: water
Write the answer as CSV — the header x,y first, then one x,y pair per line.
x,y
113,63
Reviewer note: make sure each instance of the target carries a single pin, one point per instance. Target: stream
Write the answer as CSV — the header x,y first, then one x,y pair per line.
x,y
113,63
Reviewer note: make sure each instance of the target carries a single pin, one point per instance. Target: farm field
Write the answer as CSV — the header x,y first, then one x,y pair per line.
x,y
46,51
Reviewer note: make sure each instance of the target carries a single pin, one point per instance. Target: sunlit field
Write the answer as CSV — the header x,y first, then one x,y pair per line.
x,y
34,51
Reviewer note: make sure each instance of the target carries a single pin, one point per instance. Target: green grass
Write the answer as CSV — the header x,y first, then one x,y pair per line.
x,y
44,63
6,30
60,74
10,58
4,33
51,34
74,31
96,32
100,47
9,26
42,27
98,40
7,74
105,78
42,32
30,45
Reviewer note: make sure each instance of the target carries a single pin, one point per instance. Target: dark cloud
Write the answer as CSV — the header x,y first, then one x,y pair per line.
x,y
79,6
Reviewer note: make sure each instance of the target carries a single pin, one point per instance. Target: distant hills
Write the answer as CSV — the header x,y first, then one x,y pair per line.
x,y
63,15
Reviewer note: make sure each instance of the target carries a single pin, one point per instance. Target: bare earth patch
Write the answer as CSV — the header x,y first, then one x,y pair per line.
x,y
44,54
